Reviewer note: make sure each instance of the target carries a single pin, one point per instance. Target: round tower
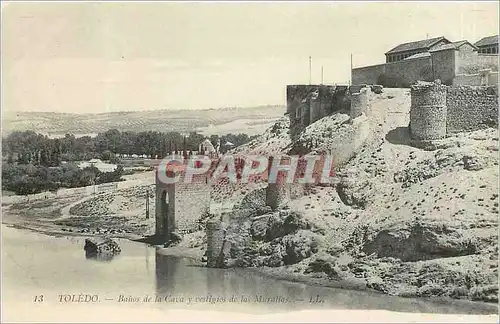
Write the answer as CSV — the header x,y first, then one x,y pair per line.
x,y
428,111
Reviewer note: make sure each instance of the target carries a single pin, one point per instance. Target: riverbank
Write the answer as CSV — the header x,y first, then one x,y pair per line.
x,y
285,274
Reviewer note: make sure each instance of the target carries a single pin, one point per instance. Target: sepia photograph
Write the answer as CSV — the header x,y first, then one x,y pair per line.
x,y
249,161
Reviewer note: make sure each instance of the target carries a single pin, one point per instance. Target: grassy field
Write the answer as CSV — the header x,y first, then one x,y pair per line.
x,y
251,120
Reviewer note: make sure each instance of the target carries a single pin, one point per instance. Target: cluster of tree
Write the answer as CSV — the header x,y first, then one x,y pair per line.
x,y
24,179
29,147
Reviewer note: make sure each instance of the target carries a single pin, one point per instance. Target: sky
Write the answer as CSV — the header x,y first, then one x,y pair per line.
x,y
93,57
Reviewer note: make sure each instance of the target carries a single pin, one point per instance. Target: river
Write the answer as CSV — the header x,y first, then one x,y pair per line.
x,y
36,264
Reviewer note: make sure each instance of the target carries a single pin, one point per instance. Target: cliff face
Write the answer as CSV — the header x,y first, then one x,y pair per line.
x,y
401,220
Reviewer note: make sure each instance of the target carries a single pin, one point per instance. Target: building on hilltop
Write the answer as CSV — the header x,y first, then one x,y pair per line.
x,y
459,62
405,50
487,45
207,148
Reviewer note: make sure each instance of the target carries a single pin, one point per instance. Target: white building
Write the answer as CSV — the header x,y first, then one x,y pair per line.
x,y
101,166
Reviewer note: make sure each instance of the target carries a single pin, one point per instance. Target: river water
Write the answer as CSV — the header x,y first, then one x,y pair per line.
x,y
35,264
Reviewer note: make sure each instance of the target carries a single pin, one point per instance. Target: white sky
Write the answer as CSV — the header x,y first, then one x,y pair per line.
x,y
98,57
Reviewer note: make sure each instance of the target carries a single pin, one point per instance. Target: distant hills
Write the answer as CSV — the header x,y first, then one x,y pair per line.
x,y
251,120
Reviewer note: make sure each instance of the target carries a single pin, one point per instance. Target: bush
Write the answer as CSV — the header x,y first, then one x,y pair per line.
x,y
29,179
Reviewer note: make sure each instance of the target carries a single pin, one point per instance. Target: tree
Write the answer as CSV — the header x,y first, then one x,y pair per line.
x,y
55,156
106,155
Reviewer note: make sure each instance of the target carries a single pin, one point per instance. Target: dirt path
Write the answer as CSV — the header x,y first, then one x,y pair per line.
x,y
65,211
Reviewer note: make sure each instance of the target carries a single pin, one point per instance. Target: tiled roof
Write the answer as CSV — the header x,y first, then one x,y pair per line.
x,y
485,41
454,45
426,43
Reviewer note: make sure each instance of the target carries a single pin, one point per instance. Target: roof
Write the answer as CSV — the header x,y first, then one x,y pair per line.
x,y
208,145
424,54
421,44
454,46
485,41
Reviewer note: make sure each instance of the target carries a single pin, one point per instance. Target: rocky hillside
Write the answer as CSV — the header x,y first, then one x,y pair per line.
x,y
401,220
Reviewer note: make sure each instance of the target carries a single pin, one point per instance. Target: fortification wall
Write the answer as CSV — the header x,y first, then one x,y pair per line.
x,y
468,79
428,111
477,79
475,62
471,108
399,74
215,242
404,73
309,103
322,103
367,74
349,139
359,102
278,191
191,201
438,110
443,66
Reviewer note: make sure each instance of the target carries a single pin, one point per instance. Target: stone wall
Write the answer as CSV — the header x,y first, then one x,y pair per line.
x,y
179,205
278,191
191,201
367,74
477,79
475,62
443,66
399,74
215,243
308,103
471,108
468,79
359,102
438,110
348,140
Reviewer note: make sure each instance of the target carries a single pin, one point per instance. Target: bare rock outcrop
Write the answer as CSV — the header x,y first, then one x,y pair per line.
x,y
420,242
101,248
355,189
